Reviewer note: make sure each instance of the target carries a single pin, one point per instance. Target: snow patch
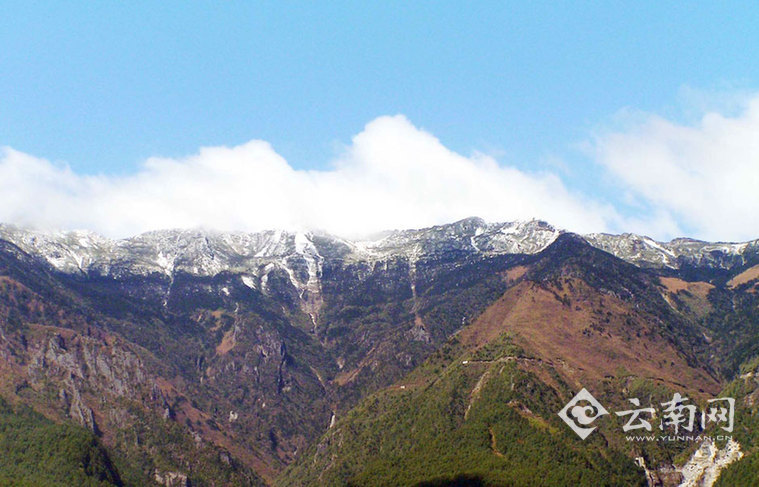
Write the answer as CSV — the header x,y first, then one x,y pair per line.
x,y
165,262
248,281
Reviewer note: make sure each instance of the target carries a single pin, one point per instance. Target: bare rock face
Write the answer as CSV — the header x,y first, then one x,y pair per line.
x,y
664,476
82,414
89,375
171,479
704,467
88,361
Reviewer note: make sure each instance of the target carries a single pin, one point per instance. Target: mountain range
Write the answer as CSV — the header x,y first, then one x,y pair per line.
x,y
437,356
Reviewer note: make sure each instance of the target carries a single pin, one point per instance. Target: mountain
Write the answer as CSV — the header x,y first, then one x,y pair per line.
x,y
483,407
207,253
680,253
244,359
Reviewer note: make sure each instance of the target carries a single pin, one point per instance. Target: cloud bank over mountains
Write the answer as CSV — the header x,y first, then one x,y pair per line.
x,y
392,175
704,178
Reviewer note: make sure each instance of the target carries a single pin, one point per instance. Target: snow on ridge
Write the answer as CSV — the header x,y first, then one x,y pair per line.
x,y
207,252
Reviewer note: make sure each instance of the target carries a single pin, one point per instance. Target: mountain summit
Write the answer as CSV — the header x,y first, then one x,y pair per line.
x,y
207,253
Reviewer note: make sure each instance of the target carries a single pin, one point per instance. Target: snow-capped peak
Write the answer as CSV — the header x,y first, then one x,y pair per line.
x,y
302,255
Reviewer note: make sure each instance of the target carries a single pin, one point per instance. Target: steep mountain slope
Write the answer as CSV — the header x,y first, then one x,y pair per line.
x,y
60,357
40,453
485,405
745,390
598,317
486,422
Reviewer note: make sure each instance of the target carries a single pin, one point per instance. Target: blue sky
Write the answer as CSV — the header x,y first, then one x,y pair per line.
x,y
101,87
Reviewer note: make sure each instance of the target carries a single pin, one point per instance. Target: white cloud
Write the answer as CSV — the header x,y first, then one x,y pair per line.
x,y
705,175
392,175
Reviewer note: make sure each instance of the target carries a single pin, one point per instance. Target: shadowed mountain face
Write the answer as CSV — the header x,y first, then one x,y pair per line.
x,y
224,358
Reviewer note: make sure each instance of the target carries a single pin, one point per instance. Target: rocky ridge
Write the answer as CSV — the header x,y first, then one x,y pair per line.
x,y
301,254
